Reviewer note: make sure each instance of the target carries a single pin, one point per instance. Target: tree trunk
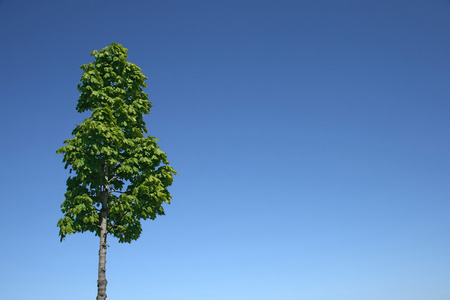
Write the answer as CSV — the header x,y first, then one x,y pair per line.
x,y
101,282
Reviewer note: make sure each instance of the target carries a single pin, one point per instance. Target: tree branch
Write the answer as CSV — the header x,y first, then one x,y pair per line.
x,y
115,177
95,225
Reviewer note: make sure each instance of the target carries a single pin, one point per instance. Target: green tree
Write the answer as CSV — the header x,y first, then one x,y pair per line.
x,y
119,175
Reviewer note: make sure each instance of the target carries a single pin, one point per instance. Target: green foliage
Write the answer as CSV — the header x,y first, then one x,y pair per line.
x,y
109,152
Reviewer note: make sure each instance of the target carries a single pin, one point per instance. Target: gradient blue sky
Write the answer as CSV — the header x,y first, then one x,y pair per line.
x,y
311,138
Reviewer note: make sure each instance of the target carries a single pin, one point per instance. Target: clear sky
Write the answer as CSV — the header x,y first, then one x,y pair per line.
x,y
311,138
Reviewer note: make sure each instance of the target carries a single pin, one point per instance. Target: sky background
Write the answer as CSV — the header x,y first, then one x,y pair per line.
x,y
311,138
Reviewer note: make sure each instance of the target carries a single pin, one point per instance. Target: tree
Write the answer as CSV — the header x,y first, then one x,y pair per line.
x,y
120,176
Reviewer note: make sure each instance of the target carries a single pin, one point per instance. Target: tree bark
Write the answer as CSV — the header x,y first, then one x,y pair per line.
x,y
101,282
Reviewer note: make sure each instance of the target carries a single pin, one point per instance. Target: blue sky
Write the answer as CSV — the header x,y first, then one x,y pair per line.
x,y
311,138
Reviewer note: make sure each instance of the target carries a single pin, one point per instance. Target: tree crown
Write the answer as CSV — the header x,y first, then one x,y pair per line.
x,y
109,152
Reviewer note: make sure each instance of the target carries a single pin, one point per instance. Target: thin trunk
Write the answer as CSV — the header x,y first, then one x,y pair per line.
x,y
101,282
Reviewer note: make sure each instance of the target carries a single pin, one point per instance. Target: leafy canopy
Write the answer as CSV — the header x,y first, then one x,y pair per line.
x,y
109,152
